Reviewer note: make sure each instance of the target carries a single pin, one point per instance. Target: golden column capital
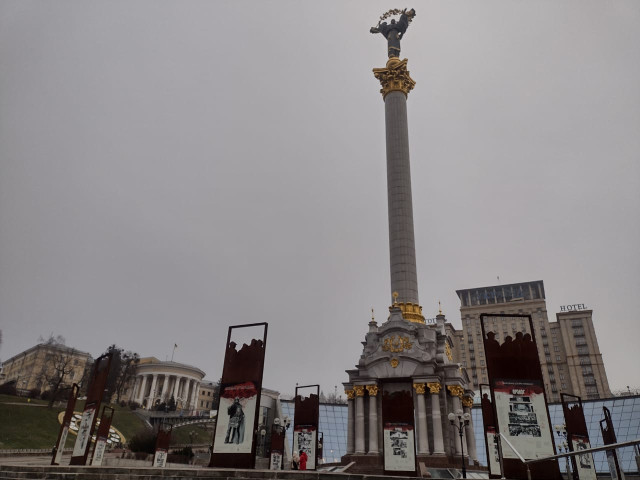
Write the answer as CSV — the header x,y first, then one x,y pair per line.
x,y
372,389
420,388
456,390
359,390
434,387
467,401
350,394
394,77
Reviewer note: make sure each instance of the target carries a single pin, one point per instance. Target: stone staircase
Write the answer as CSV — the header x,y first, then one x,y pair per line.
x,y
15,472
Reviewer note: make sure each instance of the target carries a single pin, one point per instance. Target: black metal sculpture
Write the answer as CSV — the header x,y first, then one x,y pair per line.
x,y
394,31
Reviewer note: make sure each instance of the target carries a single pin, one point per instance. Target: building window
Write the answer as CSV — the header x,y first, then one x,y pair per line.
x,y
558,358
548,359
583,350
580,341
556,348
546,350
576,322
585,361
587,370
563,386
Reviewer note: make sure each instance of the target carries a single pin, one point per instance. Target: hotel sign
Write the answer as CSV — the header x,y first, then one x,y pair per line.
x,y
573,308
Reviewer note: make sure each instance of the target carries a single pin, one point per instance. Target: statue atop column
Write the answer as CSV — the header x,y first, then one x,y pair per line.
x,y
394,31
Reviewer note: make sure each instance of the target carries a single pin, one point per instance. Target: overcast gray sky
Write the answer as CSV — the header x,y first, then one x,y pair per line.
x,y
168,169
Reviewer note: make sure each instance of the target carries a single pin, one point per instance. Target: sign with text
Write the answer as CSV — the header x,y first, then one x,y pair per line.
x,y
95,393
64,427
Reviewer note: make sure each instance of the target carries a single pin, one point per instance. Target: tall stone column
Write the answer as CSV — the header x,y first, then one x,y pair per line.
x,y
456,393
396,84
152,392
373,419
165,385
176,385
359,391
350,420
467,404
188,394
438,442
423,434
141,392
196,394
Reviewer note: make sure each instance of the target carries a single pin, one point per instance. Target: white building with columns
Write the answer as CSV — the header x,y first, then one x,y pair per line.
x,y
156,382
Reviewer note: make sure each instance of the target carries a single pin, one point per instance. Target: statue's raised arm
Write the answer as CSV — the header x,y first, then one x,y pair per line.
x,y
394,31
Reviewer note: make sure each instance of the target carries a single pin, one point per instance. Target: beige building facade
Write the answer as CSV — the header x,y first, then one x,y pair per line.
x,y
37,366
568,349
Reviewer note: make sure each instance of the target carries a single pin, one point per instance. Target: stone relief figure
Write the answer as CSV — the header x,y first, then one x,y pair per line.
x,y
394,31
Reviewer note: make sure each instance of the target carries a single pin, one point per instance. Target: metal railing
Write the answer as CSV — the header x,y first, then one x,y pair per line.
x,y
611,446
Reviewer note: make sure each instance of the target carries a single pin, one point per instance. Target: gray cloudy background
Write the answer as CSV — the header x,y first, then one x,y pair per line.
x,y
168,169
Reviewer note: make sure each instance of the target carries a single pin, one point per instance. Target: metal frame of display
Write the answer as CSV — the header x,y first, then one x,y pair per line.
x,y
528,371
241,367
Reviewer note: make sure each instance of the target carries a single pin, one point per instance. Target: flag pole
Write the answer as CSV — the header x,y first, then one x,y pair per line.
x,y
175,345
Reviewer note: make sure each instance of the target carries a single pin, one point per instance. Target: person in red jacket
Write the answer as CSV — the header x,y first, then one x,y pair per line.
x,y
303,460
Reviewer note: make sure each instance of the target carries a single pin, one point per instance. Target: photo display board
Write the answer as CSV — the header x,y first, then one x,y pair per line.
x,y
92,406
398,429
234,444
578,437
66,423
163,440
305,424
102,436
491,438
518,400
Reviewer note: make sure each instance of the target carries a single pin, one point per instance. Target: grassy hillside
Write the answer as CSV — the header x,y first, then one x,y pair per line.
x,y
31,424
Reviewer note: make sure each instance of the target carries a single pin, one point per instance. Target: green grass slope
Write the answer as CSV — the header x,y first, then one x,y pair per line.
x,y
31,424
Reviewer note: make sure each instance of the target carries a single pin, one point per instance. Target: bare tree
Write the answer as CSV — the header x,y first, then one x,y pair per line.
x,y
58,365
123,368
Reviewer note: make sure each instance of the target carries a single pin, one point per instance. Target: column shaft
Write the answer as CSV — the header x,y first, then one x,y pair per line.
x,y
457,406
423,438
152,393
350,426
373,424
176,384
165,385
404,277
360,424
143,387
471,438
438,442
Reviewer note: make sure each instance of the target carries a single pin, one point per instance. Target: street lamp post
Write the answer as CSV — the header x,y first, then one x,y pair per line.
x,y
561,430
459,421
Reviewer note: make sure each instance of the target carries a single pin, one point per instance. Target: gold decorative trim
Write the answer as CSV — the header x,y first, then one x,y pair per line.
x,y
350,394
396,344
359,389
411,312
467,401
394,77
420,388
447,351
434,387
372,389
456,390
394,362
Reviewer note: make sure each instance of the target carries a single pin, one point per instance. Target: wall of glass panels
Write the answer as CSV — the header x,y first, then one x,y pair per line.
x,y
333,425
625,413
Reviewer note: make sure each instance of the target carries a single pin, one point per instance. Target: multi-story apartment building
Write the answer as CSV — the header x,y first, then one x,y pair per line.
x,y
570,358
38,367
